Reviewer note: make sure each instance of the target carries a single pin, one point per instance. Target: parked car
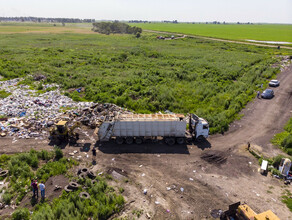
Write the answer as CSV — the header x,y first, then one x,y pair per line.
x,y
268,94
274,83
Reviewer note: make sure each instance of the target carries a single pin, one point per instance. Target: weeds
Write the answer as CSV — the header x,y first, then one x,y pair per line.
x,y
284,139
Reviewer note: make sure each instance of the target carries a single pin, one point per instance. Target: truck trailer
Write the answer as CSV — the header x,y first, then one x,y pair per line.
x,y
130,128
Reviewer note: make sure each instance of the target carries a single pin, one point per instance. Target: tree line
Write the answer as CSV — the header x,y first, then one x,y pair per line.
x,y
115,28
52,20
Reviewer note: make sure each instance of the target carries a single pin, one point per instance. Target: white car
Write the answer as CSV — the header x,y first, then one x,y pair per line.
x,y
274,83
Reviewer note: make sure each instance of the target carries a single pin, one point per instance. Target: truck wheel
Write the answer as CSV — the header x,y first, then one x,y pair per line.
x,y
170,141
180,140
119,140
129,140
138,140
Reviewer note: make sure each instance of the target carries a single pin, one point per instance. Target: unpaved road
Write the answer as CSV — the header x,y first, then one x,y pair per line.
x,y
218,39
182,185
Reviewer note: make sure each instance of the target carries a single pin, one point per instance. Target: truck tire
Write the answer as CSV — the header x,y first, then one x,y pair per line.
x,y
170,141
3,173
67,189
82,170
84,195
129,140
82,175
180,140
138,140
91,175
119,140
73,185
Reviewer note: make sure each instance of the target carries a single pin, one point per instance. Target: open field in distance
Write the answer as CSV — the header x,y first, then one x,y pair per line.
x,y
262,32
12,28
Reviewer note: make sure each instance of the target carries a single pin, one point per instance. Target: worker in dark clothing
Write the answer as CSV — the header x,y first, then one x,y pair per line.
x,y
93,156
248,146
35,188
94,152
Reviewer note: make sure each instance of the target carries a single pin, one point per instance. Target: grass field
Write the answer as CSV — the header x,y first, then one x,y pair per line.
x,y
11,28
212,79
263,32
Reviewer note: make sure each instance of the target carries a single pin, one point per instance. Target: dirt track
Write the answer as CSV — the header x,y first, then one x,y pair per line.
x,y
188,182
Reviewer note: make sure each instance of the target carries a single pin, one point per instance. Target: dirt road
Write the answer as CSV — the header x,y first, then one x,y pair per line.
x,y
189,181
222,40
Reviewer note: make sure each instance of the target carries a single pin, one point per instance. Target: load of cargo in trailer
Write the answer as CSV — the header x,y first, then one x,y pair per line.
x,y
173,128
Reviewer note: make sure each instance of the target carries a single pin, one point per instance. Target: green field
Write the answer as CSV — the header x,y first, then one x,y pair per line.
x,y
11,28
212,79
263,32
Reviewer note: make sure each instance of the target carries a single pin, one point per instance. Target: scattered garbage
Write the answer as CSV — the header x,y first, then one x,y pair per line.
x,y
27,113
143,174
157,203
182,189
145,191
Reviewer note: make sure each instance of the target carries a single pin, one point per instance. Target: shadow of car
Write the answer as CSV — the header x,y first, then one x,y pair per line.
x,y
274,83
268,94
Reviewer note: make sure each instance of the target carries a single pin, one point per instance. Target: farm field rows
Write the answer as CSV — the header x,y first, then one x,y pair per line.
x,y
261,32
212,79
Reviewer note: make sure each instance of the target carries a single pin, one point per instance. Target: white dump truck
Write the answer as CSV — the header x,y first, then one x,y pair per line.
x,y
130,128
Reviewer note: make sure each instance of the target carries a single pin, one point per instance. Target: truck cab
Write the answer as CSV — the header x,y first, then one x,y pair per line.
x,y
199,127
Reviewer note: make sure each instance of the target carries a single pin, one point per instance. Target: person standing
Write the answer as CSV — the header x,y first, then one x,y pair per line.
x,y
32,187
35,188
42,189
94,152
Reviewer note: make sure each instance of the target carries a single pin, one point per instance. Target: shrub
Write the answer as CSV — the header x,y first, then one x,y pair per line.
x,y
7,198
58,153
21,214
277,160
287,142
276,172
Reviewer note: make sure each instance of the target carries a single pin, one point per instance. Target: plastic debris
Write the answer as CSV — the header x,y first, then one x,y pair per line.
x,y
26,113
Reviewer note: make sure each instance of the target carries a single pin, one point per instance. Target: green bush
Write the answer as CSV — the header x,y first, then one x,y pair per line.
x,y
276,172
287,142
7,198
284,139
45,155
58,153
21,214
277,160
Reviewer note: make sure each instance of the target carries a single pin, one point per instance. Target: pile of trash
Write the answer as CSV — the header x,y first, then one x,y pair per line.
x,y
27,113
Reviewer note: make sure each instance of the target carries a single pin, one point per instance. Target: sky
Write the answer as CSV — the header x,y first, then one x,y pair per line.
x,y
264,11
